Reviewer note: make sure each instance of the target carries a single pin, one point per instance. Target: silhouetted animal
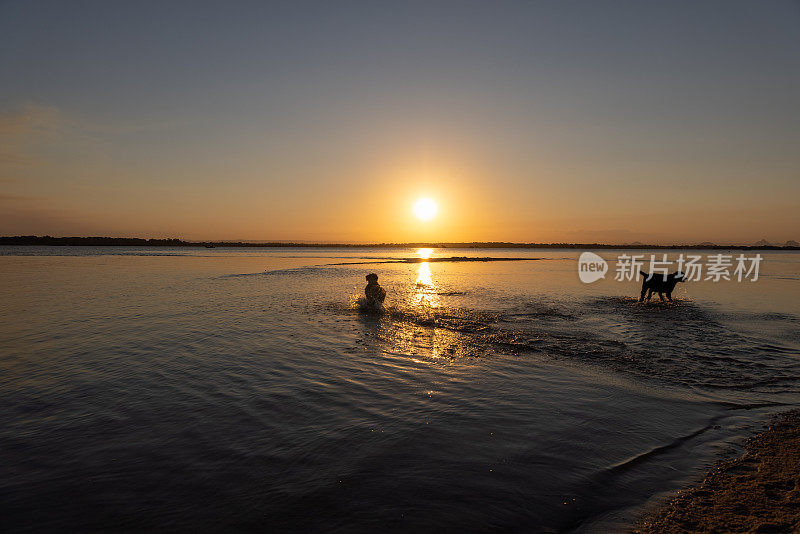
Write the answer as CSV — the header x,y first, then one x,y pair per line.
x,y
656,283
375,293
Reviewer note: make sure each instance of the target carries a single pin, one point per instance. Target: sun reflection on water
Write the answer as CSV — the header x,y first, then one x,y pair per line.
x,y
424,275
425,293
423,326
425,253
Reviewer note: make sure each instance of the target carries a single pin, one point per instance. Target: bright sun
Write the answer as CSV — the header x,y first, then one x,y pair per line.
x,y
425,209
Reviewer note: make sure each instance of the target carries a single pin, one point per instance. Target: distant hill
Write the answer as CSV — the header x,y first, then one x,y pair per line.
x,y
707,244
762,243
791,243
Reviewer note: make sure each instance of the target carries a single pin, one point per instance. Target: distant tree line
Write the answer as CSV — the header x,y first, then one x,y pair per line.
x,y
33,240
47,240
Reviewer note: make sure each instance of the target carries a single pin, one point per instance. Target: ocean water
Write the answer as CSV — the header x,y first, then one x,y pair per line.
x,y
224,390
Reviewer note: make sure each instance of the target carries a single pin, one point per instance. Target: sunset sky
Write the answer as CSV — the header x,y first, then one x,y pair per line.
x,y
325,121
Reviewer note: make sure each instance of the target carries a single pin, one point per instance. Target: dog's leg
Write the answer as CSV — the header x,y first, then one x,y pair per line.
x,y
649,294
661,296
644,290
669,296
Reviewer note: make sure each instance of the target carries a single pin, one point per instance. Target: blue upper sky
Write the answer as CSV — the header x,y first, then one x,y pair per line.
x,y
632,120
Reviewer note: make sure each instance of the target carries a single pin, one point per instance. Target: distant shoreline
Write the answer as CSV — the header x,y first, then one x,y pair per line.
x,y
142,242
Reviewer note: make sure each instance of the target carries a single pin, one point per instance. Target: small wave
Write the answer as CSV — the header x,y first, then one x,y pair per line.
x,y
324,269
539,314
762,316
751,406
451,259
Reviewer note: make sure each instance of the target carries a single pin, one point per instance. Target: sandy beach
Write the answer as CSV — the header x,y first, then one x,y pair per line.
x,y
756,492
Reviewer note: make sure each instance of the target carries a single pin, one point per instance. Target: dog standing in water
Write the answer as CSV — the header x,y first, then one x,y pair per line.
x,y
375,293
660,284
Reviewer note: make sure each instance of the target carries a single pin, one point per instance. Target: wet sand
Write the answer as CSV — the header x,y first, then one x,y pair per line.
x,y
757,492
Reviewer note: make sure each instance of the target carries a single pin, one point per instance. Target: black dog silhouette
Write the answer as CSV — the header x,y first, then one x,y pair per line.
x,y
375,293
656,283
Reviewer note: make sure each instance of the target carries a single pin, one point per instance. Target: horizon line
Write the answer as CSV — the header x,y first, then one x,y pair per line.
x,y
46,240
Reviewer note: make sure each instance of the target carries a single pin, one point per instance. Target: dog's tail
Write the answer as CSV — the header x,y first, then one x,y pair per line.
x,y
644,274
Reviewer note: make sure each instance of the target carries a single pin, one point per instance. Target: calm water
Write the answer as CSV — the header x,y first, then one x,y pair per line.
x,y
229,390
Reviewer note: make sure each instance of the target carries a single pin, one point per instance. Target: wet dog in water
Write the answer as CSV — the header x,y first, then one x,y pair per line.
x,y
656,283
375,293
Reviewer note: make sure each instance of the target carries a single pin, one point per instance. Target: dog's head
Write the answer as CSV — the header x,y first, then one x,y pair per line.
x,y
678,276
